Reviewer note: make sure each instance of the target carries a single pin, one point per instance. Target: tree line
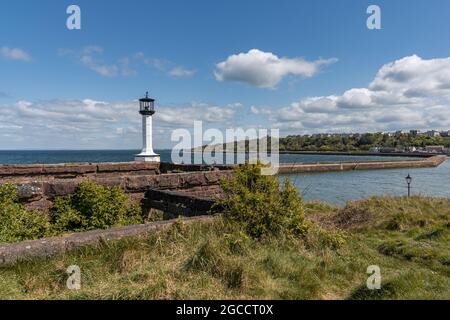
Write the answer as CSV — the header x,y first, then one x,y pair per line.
x,y
358,142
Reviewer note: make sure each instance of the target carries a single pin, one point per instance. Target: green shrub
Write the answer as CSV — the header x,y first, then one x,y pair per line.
x,y
260,205
319,237
93,206
17,223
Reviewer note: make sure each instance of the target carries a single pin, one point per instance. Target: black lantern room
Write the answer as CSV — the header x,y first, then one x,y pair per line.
x,y
147,105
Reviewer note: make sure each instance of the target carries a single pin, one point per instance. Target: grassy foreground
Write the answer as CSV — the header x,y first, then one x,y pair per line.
x,y
409,239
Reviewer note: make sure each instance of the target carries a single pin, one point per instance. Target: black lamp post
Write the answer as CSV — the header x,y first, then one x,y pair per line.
x,y
408,181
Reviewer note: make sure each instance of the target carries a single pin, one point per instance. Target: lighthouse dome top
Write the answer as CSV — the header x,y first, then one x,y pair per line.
x,y
146,105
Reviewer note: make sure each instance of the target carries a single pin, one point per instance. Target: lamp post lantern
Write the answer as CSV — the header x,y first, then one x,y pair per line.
x,y
147,110
408,181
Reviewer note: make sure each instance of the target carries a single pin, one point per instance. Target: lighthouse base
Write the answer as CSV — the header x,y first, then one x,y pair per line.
x,y
147,158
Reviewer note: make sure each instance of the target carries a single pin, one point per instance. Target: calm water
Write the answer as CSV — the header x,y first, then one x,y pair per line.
x,y
338,187
67,156
335,187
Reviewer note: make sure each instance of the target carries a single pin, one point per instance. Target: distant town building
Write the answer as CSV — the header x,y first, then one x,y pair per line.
x,y
414,133
445,133
435,149
389,150
400,132
432,133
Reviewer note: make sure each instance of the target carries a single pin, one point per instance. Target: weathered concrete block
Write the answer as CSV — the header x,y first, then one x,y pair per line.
x,y
30,191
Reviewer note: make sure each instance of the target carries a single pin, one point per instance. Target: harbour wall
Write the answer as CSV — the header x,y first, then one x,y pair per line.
x,y
361,153
292,168
178,190
38,185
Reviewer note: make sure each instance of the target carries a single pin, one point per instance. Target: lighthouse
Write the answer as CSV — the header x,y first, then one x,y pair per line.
x,y
147,110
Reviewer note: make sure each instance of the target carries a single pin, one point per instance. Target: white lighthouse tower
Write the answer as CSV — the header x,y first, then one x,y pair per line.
x,y
147,110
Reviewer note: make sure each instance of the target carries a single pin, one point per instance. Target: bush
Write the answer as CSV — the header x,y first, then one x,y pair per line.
x,y
17,223
93,206
260,206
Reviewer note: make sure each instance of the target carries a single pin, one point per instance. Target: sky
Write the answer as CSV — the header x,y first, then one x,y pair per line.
x,y
301,67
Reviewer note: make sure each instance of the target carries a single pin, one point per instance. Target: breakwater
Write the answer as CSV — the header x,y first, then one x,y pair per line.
x,y
38,185
174,189
288,168
360,153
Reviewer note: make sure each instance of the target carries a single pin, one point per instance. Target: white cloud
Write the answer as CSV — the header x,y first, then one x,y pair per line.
x,y
90,57
265,69
88,123
165,65
181,72
87,58
125,67
186,115
15,54
410,93
260,110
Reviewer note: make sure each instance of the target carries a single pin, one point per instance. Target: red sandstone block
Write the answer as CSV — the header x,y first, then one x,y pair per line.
x,y
7,170
111,182
126,166
106,167
193,179
169,181
140,183
59,188
69,168
134,166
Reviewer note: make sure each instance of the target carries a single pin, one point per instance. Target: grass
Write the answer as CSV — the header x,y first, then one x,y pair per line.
x,y
408,238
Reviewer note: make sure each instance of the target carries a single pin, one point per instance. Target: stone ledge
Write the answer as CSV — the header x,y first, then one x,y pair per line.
x,y
14,252
74,169
104,168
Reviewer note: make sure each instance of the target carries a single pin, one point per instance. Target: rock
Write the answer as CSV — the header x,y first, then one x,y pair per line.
x,y
30,191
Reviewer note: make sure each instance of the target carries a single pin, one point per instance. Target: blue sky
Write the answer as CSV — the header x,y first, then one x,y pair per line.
x,y
56,84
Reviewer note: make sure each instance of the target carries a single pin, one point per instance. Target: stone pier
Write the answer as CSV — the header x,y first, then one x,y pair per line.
x,y
292,168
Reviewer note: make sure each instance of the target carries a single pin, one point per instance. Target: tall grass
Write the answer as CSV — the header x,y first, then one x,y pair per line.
x,y
218,260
